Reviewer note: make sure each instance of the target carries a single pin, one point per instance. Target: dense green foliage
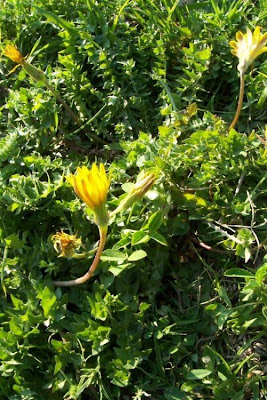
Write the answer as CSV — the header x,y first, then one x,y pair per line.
x,y
177,307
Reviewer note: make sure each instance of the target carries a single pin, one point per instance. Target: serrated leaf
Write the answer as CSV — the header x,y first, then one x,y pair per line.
x,y
14,242
15,326
48,300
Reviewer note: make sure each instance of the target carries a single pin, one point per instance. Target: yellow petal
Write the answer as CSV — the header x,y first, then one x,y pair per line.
x,y
233,44
13,53
263,40
248,47
91,185
239,36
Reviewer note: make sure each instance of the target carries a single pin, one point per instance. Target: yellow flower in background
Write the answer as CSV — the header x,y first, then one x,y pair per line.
x,y
38,75
247,47
92,188
66,244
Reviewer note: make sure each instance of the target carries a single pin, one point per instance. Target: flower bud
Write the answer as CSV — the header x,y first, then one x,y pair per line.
x,y
144,182
35,73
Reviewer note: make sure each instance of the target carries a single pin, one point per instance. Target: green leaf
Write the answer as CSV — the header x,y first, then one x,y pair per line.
x,y
113,255
15,327
118,269
60,22
48,300
238,273
173,393
194,199
165,130
139,237
19,305
223,294
262,98
58,365
198,374
14,242
137,255
159,238
122,243
155,221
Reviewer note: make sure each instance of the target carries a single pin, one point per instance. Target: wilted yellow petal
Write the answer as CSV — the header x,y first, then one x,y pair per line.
x,y
66,244
13,53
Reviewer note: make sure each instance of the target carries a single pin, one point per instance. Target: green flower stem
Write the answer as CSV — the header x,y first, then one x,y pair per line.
x,y
79,256
65,105
103,235
72,114
240,100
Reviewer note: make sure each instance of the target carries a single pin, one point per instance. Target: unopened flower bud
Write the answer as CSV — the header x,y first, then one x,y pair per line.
x,y
144,182
35,73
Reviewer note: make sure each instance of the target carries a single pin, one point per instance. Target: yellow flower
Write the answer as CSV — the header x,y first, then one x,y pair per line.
x,y
92,188
248,47
13,53
66,244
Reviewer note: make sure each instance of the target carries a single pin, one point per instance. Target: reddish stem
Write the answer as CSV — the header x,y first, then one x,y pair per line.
x,y
240,101
89,273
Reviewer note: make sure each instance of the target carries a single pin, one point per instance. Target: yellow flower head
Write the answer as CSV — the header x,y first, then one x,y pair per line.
x,y
92,188
248,47
66,244
13,53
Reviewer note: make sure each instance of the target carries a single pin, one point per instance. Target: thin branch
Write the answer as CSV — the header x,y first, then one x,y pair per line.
x,y
239,184
210,248
224,233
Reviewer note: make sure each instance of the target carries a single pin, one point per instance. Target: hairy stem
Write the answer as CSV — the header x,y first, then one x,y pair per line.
x,y
89,273
240,101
